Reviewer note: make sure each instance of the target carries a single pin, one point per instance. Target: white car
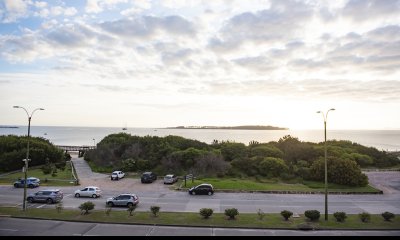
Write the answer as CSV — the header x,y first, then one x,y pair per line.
x,y
117,175
90,191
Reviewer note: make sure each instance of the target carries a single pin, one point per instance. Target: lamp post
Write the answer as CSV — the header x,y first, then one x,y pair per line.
x,y
326,165
26,160
94,143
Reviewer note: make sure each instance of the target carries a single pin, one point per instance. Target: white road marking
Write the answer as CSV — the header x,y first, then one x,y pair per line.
x,y
7,229
41,206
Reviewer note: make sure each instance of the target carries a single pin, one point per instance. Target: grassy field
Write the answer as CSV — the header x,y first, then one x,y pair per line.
x,y
63,178
252,185
249,220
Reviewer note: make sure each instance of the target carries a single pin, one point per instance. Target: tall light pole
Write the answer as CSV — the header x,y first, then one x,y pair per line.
x,y
326,165
94,143
27,153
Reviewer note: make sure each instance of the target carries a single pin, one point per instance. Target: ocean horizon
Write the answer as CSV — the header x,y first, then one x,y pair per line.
x,y
387,140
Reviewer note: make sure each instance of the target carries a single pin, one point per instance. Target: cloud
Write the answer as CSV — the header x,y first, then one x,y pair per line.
x,y
14,9
364,10
98,6
280,21
146,27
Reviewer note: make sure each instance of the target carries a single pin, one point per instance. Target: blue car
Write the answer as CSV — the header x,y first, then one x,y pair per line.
x,y
30,183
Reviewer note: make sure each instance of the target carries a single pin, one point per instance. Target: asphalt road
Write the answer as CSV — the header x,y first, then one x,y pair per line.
x,y
30,227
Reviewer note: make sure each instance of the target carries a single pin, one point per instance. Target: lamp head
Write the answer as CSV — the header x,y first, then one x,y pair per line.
x,y
16,106
332,109
319,112
41,108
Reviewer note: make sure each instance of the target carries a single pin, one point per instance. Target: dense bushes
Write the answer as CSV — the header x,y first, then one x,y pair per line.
x,y
387,216
340,171
206,212
13,149
340,216
286,214
313,215
231,212
287,159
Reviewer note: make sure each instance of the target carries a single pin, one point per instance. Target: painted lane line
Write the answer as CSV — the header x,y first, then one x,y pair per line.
x,y
41,206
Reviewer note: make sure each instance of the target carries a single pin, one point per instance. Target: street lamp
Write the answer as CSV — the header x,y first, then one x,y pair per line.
x,y
94,143
326,165
27,152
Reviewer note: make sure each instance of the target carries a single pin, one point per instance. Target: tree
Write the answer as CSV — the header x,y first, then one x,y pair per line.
x,y
340,171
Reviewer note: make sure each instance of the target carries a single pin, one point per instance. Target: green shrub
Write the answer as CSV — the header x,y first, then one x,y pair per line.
x,y
313,215
365,217
206,212
388,216
155,210
46,169
86,206
231,212
131,209
286,214
59,207
260,214
340,216
108,210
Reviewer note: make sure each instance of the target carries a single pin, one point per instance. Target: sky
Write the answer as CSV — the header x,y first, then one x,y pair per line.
x,y
167,63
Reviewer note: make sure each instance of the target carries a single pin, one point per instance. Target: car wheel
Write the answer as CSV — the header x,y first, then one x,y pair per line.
x,y
130,205
110,204
30,199
193,193
77,195
49,201
16,185
94,196
112,179
30,186
117,178
210,193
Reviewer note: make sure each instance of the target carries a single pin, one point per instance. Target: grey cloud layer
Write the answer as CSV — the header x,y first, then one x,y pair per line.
x,y
175,50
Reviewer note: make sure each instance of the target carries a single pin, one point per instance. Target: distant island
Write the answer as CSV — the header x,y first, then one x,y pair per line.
x,y
245,127
8,127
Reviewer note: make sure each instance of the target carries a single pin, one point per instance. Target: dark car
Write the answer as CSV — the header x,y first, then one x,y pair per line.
x,y
30,183
202,189
47,196
148,177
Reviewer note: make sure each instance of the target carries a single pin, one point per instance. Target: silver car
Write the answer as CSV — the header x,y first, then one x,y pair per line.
x,y
126,199
48,196
90,191
170,179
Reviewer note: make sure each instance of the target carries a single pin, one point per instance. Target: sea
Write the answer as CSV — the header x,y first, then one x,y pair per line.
x,y
386,140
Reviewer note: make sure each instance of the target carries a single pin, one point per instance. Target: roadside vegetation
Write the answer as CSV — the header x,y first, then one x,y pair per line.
x,y
250,220
41,152
236,184
62,177
287,161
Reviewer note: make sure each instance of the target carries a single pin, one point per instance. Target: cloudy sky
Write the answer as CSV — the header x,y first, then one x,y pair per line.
x,y
165,63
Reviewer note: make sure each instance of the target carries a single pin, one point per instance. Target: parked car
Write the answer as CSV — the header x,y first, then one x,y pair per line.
x,y
203,188
47,196
30,183
148,177
90,191
116,175
170,179
126,199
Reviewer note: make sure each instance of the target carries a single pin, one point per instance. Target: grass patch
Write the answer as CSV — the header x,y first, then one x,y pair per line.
x,y
252,185
63,178
250,220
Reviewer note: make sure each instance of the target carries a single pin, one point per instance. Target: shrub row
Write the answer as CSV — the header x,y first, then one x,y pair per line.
x,y
312,215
